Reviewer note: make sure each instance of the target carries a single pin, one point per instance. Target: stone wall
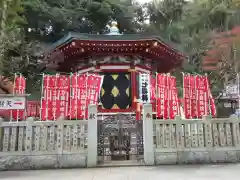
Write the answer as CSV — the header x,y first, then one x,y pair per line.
x,y
23,162
34,144
70,144
197,157
178,141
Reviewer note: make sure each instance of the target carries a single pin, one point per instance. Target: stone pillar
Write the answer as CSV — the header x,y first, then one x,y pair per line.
x,y
60,127
29,133
149,155
92,136
235,130
1,132
179,133
208,132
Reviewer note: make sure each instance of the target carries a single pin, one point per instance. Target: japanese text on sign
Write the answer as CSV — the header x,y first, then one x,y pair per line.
x,y
12,103
144,89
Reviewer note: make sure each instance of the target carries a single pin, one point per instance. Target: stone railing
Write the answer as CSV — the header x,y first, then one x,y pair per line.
x,y
205,140
46,144
63,143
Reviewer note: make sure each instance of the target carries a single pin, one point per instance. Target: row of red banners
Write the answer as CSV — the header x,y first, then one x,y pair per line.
x,y
197,97
69,96
167,97
66,96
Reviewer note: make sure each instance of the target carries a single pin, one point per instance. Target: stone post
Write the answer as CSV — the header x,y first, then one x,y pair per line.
x,y
179,133
208,132
92,136
1,132
235,130
149,155
60,127
29,133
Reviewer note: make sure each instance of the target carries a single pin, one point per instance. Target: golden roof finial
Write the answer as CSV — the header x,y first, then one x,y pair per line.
x,y
114,23
114,29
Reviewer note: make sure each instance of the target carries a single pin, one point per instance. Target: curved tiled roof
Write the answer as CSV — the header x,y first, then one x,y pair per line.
x,y
62,53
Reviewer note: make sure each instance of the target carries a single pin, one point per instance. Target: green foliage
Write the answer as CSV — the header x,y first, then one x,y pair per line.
x,y
17,53
190,24
74,15
25,23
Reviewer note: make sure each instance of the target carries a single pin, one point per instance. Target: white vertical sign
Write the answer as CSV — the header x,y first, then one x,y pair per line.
x,y
144,88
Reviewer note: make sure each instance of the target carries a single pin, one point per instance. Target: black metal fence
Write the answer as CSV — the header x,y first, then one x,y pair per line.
x,y
120,137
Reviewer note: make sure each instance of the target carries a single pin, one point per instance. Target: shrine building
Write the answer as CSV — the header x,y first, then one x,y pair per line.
x,y
119,57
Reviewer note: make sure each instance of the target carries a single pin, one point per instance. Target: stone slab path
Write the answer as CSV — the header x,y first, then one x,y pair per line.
x,y
186,172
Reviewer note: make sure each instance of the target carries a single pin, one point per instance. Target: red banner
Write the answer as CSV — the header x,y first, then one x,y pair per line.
x,y
167,97
187,96
161,88
197,97
193,97
94,83
62,96
202,100
44,110
52,98
213,107
78,97
153,88
19,88
48,97
33,108
173,98
211,104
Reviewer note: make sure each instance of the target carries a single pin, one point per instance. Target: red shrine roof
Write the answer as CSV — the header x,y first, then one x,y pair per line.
x,y
75,47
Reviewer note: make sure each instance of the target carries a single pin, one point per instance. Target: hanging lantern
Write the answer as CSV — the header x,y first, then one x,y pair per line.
x,y
155,44
73,43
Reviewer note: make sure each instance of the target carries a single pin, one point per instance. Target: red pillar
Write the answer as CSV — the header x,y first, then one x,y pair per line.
x,y
134,92
137,105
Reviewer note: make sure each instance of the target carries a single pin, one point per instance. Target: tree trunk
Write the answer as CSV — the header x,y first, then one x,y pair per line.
x,y
3,6
3,19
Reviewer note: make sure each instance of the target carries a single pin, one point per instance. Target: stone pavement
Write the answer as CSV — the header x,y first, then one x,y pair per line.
x,y
176,172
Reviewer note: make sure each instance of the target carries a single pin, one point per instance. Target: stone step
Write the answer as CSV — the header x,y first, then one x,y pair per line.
x,y
121,163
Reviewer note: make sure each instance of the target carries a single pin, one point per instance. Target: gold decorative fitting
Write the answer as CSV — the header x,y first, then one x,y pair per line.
x,y
114,24
115,106
115,76
131,70
102,92
127,91
115,91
